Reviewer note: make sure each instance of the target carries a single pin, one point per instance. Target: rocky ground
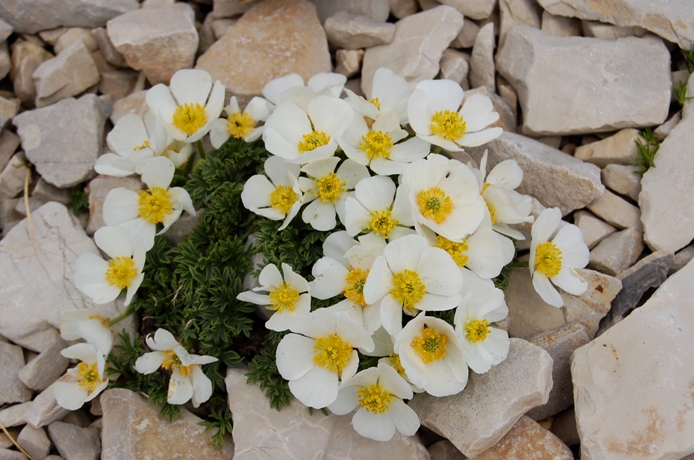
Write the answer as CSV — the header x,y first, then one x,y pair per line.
x,y
608,376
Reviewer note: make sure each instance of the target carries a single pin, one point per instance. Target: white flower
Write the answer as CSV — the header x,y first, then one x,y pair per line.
x,y
444,196
321,84
103,281
434,115
89,377
483,346
159,204
390,92
189,105
378,392
326,190
188,381
240,124
430,353
301,136
89,325
274,88
315,361
557,260
278,198
412,276
287,295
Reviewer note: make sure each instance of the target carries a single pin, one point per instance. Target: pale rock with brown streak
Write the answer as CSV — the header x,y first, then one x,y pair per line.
x,y
26,58
622,179
416,50
616,211
560,25
12,390
527,439
98,190
603,31
634,385
35,442
46,368
376,9
479,416
617,252
594,230
348,62
75,442
402,8
158,41
73,34
352,32
482,70
609,87
455,66
473,9
620,148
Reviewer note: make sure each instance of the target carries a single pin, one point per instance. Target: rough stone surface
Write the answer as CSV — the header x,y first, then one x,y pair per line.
x,y
348,31
135,103
478,417
184,226
12,390
74,442
110,53
609,87
63,141
231,8
158,41
31,16
616,211
620,148
98,189
9,142
482,69
527,439
35,442
617,252
518,13
551,176
454,66
594,230
8,109
13,176
44,409
564,427
273,39
402,8
467,35
559,343
46,368
623,180
15,415
560,26
444,450
662,131
417,47
682,258
46,192
348,62
5,30
473,9
634,385
6,454
596,29
73,34
375,9
5,60
670,20
132,430
26,58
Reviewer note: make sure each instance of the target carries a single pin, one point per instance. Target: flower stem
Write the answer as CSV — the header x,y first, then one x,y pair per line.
x,y
129,311
518,264
437,149
201,150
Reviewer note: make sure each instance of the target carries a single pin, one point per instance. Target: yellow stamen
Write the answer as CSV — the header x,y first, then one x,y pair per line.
x,y
283,198
434,204
155,204
477,330
284,298
173,362
447,124
376,144
382,222
430,346
374,398
106,322
395,363
354,285
331,352
330,187
458,251
240,124
144,145
408,289
376,102
548,259
121,272
492,212
312,141
88,376
189,117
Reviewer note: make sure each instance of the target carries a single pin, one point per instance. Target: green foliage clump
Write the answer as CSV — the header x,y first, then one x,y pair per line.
x,y
263,370
680,90
78,199
689,59
646,151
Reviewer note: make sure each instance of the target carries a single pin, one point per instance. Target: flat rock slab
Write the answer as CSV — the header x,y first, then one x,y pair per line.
x,y
64,140
634,385
491,403
76,442
578,85
133,430
671,20
528,440
550,175
12,390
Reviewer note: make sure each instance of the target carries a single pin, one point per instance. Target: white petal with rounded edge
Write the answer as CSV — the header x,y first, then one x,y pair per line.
x,y
121,205
574,251
202,386
570,281
190,86
70,395
317,388
157,172
295,356
180,388
548,292
379,427
149,362
163,340
442,94
406,420
346,400
114,241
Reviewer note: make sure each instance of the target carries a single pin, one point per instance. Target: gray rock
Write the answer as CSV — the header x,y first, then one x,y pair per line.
x,y
616,211
662,131
44,409
444,450
97,191
473,9
135,103
594,230
74,442
15,415
9,217
551,176
596,29
348,62
375,9
617,252
231,8
621,148
417,47
518,13
402,8
13,176
184,226
349,31
63,141
34,204
482,69
564,427
26,58
560,26
479,416
454,66
467,35
508,94
682,258
5,62
623,180
616,90
5,30
9,142
12,390
46,192
110,53
73,34
35,442
6,454
8,109
46,368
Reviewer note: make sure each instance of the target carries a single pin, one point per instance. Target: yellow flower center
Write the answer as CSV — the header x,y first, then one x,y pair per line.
x,y
189,117
144,145
313,140
447,124
434,204
330,187
88,376
376,102
492,212
283,198
408,289
155,204
376,144
239,124
284,298
106,322
331,352
548,259
394,362
382,222
120,272
374,398
173,362
477,330
430,346
354,285
458,251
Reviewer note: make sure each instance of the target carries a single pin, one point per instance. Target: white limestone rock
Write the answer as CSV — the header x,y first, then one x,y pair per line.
x,y
623,180
473,9
455,66
26,58
620,148
348,62
596,29
73,34
528,440
467,35
46,192
482,69
44,408
15,415
402,8
617,252
616,211
352,32
110,53
35,442
560,26
518,13
375,9
13,176
46,368
73,441
594,230
12,390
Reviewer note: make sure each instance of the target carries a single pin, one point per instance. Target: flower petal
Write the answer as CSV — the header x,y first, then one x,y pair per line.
x,y
157,172
149,362
545,289
202,386
317,388
180,388
379,427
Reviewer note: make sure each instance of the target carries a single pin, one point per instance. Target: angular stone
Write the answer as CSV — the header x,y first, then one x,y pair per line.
x,y
620,149
98,189
564,427
6,454
682,258
417,47
26,58
15,415
595,29
77,417
479,416
13,176
402,8
118,83
110,53
46,368
454,66
482,69
349,31
220,27
467,35
623,180
12,390
8,109
66,75
135,103
348,62
34,204
273,39
672,21
375,9
8,215
508,94
616,211
132,429
473,9
73,34
63,141
445,450
594,230
518,13
9,142
5,30
46,192
559,343
551,176
5,60
74,442
158,41
527,439
649,273
560,26
35,442
231,8
634,385
617,252
44,409
616,90
5,441
662,131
